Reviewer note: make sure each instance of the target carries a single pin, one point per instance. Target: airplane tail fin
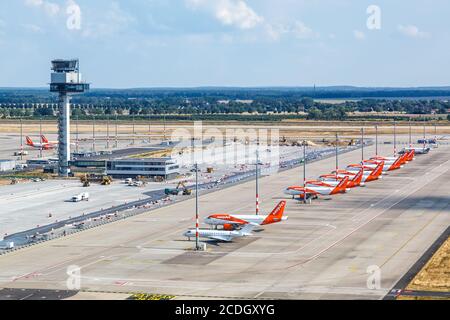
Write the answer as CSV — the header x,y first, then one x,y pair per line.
x,y
411,155
358,178
44,139
247,229
29,141
398,163
404,158
341,187
276,215
376,173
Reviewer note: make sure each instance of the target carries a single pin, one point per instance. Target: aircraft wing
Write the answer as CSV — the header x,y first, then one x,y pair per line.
x,y
222,238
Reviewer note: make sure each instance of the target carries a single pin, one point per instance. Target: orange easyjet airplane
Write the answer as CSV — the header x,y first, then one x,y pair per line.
x,y
45,140
390,164
318,188
355,180
43,146
231,222
370,173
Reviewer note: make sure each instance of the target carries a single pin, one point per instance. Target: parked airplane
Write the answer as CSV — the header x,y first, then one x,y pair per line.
x,y
221,235
43,146
355,180
45,140
403,159
370,173
314,190
420,150
389,165
411,156
231,222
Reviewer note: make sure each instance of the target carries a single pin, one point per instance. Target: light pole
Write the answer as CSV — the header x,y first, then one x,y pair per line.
x,y
107,132
435,136
304,172
165,136
149,128
197,229
257,182
93,133
395,138
362,144
116,133
40,137
134,132
337,154
77,138
424,134
376,140
410,133
21,139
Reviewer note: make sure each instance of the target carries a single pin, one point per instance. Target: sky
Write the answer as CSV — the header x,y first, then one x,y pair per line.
x,y
249,43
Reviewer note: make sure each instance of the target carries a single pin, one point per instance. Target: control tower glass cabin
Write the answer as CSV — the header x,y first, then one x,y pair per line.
x,y
66,81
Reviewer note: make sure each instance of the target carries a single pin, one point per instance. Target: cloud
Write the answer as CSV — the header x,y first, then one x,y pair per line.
x,y
412,31
113,21
236,13
301,31
297,29
50,8
359,35
32,28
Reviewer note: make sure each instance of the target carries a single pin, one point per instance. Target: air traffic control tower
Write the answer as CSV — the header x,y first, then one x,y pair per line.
x,y
65,80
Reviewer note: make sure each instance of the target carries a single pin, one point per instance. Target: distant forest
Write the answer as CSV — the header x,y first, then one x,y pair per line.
x,y
231,103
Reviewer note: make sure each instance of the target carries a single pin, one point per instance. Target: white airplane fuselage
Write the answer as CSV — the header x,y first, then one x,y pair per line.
x,y
324,191
240,220
221,235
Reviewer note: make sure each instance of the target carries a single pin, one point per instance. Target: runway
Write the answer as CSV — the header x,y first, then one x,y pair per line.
x,y
322,252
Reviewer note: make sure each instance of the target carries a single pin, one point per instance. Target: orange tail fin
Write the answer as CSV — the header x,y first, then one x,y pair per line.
x,y
29,141
356,182
44,139
341,187
411,155
276,215
398,163
376,173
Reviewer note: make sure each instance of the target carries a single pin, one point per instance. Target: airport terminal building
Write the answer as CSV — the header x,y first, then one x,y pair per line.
x,y
166,168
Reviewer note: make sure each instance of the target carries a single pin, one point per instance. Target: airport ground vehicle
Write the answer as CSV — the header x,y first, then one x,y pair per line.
x,y
86,180
181,188
21,167
81,197
20,153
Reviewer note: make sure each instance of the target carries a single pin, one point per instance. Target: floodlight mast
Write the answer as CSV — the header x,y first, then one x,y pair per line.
x,y
66,81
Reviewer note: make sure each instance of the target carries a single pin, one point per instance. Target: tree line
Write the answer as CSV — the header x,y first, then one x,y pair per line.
x,y
37,104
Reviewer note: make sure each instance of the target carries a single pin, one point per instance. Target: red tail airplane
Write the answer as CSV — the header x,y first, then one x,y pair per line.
x,y
43,146
334,179
370,173
318,188
230,222
45,140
